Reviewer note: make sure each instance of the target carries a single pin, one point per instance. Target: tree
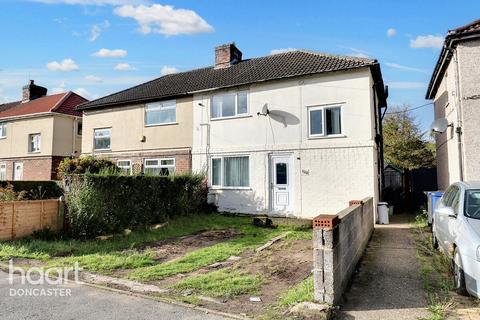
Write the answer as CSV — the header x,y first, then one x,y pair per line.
x,y
406,147
404,144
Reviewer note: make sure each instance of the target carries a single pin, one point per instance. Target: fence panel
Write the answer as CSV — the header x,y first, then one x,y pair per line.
x,y
21,218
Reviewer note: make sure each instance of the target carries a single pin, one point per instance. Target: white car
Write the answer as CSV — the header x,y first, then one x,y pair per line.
x,y
456,230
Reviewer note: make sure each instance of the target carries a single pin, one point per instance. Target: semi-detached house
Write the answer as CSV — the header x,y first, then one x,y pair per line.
x,y
291,134
37,132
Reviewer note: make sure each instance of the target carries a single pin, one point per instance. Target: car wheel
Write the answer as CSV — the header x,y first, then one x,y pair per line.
x,y
458,274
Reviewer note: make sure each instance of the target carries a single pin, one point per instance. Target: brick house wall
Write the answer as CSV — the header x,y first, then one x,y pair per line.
x,y
35,168
183,158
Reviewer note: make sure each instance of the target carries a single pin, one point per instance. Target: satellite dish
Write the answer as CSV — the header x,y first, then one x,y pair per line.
x,y
265,111
440,125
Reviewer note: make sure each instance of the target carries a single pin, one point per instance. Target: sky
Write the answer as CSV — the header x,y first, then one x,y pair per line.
x,y
97,47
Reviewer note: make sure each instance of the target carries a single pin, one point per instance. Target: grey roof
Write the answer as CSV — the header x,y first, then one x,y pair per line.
x,y
466,32
278,66
8,105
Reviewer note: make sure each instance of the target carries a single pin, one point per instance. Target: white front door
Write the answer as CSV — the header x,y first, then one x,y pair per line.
x,y
17,171
281,183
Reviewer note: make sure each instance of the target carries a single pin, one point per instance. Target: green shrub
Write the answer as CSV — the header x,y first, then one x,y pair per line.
x,y
83,165
107,204
8,193
34,190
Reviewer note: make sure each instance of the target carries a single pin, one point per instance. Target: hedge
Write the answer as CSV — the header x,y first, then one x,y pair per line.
x,y
35,190
101,204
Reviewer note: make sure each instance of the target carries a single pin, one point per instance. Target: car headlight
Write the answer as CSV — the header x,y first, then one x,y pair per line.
x,y
478,253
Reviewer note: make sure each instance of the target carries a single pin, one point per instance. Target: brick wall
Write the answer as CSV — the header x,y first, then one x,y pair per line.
x,y
35,168
183,159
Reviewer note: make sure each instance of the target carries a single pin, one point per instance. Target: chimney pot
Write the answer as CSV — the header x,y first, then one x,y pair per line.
x,y
227,55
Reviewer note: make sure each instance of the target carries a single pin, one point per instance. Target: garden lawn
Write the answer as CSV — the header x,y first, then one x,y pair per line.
x,y
126,252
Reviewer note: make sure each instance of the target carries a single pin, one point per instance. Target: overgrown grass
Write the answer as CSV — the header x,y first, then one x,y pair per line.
x,y
252,237
106,263
226,283
300,293
435,271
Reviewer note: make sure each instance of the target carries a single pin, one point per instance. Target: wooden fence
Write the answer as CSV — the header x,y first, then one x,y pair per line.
x,y
21,218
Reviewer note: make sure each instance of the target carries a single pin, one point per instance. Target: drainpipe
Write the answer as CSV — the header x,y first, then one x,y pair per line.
x,y
458,129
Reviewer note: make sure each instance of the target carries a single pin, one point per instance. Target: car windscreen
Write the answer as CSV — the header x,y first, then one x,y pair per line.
x,y
472,204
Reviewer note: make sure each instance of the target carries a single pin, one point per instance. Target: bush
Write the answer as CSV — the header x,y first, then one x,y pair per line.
x,y
30,190
83,165
107,204
7,193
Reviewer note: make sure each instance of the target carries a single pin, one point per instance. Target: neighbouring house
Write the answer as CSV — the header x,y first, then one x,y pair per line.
x,y
37,132
454,88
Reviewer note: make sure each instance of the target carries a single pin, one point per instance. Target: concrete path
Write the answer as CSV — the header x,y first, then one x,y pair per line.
x,y
85,303
388,284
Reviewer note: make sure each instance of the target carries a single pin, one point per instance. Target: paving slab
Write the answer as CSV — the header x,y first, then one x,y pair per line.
x,y
388,284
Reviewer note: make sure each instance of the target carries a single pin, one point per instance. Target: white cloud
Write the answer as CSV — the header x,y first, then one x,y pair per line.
x,y
97,29
123,67
407,85
428,41
93,78
391,32
164,19
85,93
405,68
66,65
168,70
107,53
60,89
281,50
92,2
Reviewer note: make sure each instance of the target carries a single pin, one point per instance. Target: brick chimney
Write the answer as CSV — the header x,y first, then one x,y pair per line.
x,y
227,55
31,92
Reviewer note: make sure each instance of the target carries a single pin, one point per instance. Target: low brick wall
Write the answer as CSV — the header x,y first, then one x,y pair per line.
x,y
338,243
21,218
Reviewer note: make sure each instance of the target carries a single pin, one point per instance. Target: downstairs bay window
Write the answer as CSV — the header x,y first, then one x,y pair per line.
x,y
230,172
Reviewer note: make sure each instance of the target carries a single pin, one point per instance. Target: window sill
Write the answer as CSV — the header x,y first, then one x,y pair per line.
x,y
234,117
5,137
102,150
332,136
161,124
34,152
231,188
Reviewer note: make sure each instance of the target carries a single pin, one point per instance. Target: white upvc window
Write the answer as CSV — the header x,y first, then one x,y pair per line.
x,y
228,105
101,139
3,171
325,121
3,130
125,166
230,172
34,142
158,167
163,112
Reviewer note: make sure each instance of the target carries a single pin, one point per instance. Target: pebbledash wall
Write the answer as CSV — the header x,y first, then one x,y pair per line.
x,y
327,172
462,75
58,140
132,140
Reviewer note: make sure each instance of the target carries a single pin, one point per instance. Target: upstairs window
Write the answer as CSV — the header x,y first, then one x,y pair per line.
x,y
34,141
3,130
163,112
229,105
125,166
325,121
79,128
159,167
101,139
